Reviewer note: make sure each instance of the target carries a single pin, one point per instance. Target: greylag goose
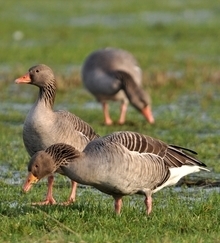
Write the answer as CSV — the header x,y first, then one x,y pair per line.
x,y
122,163
44,127
114,74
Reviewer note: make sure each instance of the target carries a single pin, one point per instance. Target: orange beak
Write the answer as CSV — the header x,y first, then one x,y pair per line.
x,y
148,114
23,79
31,179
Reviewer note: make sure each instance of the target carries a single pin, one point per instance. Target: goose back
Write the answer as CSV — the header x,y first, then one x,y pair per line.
x,y
172,155
98,72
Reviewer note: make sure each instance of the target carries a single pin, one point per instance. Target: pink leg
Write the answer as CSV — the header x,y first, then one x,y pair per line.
x,y
49,198
122,113
118,204
107,117
148,203
72,197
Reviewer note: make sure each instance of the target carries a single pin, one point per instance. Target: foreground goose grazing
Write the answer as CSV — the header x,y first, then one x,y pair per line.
x,y
44,127
114,74
122,163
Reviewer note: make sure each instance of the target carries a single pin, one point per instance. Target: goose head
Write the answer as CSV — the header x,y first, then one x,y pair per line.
x,y
40,166
46,162
39,75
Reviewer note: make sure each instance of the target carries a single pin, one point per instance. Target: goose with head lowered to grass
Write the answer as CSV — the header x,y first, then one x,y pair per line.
x,y
43,126
119,164
114,74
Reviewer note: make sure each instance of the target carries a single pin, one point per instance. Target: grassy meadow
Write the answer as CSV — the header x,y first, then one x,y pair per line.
x,y
177,46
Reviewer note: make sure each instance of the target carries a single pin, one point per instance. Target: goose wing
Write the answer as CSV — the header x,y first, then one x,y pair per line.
x,y
73,122
172,155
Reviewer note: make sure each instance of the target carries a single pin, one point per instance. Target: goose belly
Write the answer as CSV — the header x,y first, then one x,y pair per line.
x,y
125,174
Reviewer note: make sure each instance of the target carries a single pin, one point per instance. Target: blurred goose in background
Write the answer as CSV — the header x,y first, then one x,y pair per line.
x,y
122,163
44,127
114,74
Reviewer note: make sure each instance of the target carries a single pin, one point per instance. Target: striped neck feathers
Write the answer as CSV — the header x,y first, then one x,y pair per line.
x,y
48,92
62,154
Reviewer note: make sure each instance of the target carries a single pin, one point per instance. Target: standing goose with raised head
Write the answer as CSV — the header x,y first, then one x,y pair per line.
x,y
114,74
122,163
44,127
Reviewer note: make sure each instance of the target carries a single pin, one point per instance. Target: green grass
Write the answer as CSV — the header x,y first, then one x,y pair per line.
x,y
175,218
177,46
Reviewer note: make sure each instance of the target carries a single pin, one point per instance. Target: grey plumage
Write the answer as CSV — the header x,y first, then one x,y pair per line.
x,y
114,74
43,126
122,163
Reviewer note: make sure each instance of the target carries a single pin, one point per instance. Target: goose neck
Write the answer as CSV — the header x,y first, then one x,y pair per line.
x,y
47,94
